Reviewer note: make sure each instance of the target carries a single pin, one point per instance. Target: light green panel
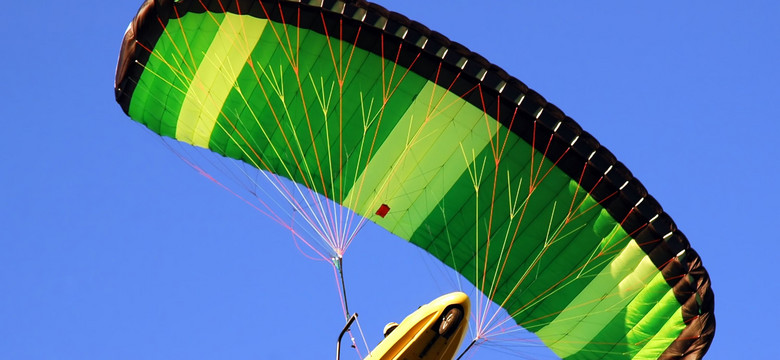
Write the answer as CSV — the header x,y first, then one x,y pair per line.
x,y
603,299
668,333
214,80
407,163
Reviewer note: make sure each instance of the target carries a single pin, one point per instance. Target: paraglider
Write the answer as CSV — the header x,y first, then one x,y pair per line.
x,y
353,114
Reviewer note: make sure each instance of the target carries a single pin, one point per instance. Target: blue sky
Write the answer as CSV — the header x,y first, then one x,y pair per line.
x,y
112,247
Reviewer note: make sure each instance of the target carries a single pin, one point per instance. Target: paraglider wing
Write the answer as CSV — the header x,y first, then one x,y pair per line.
x,y
438,146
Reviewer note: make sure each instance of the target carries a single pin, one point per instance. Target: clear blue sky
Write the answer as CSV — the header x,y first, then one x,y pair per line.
x,y
113,248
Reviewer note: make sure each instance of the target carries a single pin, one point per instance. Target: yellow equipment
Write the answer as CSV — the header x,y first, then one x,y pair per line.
x,y
433,332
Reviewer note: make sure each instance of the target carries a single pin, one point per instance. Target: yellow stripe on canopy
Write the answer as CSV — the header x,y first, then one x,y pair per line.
x,y
421,160
216,76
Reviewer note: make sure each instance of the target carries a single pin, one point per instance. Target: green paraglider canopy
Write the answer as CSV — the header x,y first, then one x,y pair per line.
x,y
432,142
